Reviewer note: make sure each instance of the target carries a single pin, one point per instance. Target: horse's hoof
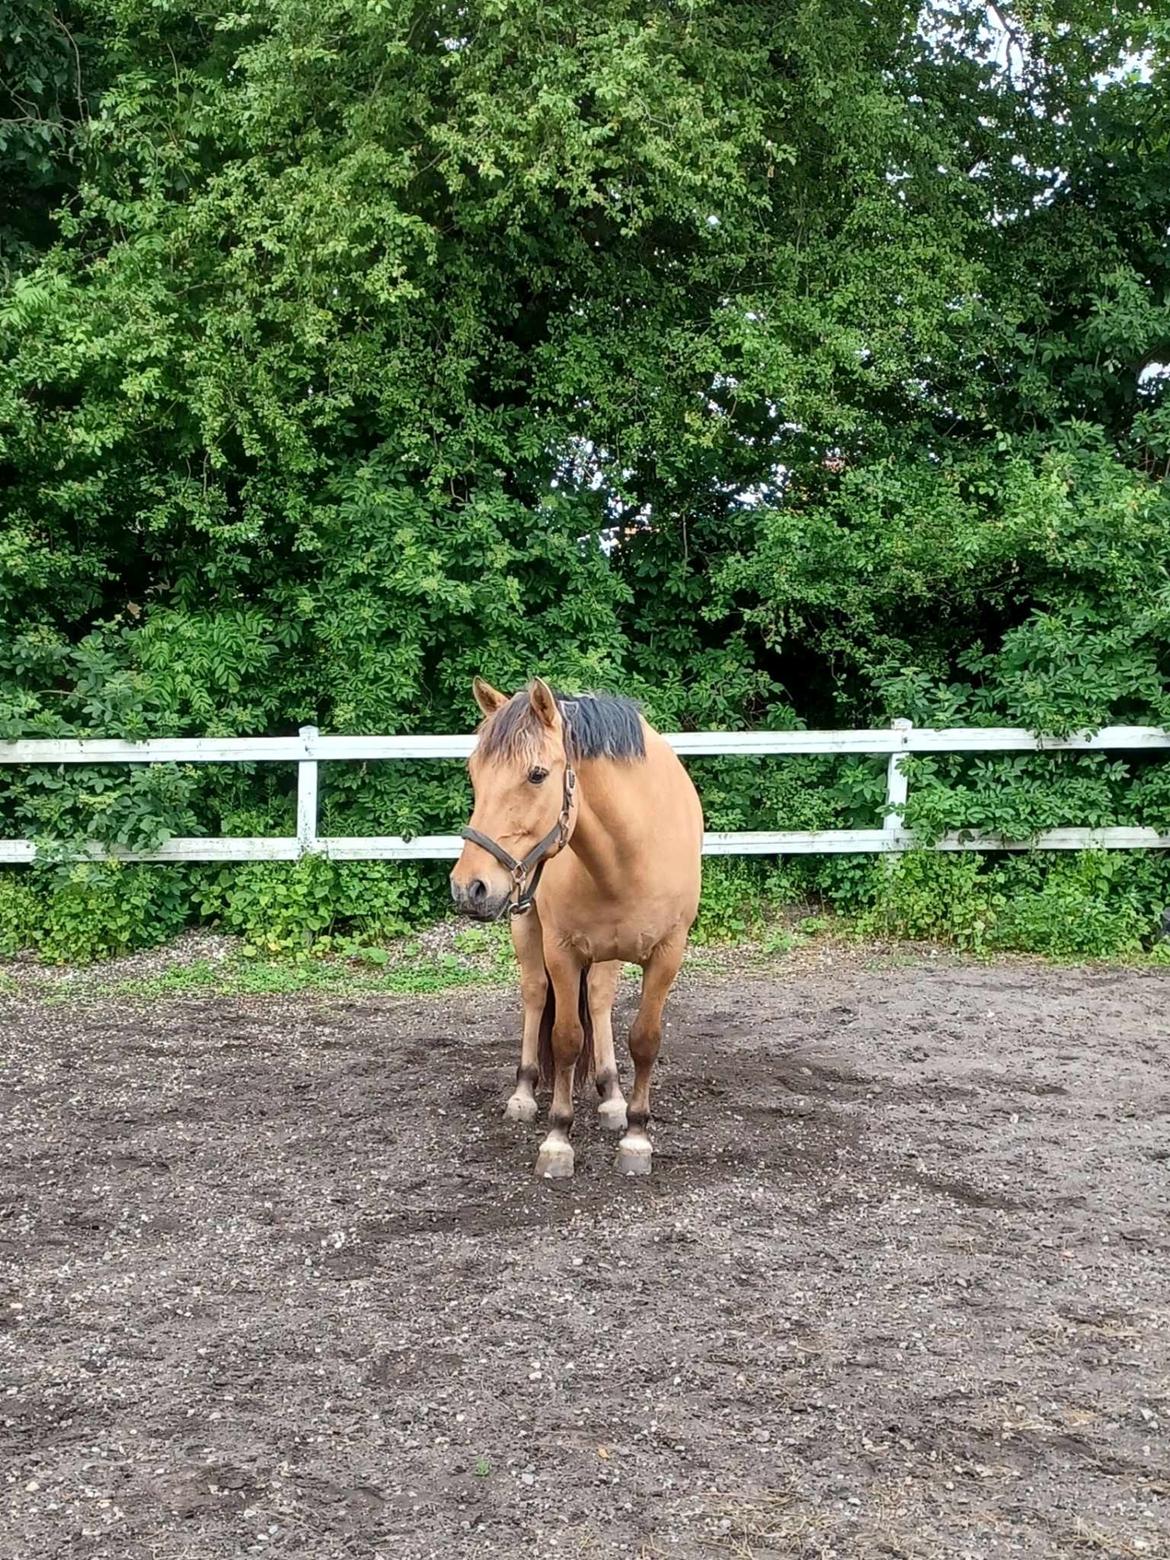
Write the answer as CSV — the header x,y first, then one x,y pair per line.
x,y
612,1115
520,1108
555,1162
634,1156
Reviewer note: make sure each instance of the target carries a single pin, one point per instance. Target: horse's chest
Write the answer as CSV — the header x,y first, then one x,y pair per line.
x,y
614,941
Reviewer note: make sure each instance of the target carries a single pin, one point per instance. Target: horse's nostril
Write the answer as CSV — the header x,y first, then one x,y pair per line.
x,y
478,891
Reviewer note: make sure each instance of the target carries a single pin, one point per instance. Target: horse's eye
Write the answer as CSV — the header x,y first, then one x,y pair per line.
x,y
537,775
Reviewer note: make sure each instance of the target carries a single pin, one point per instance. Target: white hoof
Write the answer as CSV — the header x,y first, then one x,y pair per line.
x,y
555,1161
612,1114
521,1107
634,1156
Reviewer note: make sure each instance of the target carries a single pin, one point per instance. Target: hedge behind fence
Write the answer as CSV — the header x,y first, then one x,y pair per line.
x,y
333,333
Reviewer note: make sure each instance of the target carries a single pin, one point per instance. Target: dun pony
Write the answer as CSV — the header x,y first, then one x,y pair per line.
x,y
587,833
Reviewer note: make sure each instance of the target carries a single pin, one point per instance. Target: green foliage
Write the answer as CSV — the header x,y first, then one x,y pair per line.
x,y
741,897
19,913
276,906
730,904
280,907
78,912
49,66
90,910
404,971
1084,906
490,946
333,333
941,897
1064,905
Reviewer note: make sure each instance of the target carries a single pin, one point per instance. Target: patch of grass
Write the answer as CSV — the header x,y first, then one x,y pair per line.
x,y
403,972
451,956
491,945
779,939
896,960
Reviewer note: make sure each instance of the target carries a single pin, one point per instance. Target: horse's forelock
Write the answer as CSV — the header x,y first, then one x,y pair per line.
x,y
599,726
513,732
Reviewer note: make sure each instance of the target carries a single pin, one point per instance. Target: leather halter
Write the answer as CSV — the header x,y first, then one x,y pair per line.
x,y
555,840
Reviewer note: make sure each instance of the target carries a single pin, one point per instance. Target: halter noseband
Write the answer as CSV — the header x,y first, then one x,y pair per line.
x,y
555,840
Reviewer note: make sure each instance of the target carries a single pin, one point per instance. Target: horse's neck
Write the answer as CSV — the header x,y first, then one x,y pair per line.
x,y
599,837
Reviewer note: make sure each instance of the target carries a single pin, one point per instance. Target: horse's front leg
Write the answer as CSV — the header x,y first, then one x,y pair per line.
x,y
529,945
600,991
556,1152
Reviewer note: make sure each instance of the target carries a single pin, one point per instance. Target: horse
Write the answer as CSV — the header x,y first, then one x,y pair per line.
x,y
587,834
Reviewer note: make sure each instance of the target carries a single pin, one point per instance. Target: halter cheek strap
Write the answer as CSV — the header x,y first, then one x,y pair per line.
x,y
556,839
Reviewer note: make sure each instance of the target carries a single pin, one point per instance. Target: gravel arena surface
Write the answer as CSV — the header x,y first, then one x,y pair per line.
x,y
278,1280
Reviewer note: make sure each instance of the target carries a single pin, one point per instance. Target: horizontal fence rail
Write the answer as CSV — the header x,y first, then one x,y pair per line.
x,y
309,748
900,737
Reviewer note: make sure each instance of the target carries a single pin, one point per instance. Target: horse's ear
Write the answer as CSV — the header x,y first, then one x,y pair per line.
x,y
543,702
488,698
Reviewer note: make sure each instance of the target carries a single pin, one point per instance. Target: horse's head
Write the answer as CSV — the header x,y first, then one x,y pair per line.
x,y
524,801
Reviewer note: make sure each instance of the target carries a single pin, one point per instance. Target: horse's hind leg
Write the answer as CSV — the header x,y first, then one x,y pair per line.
x,y
601,991
529,945
634,1151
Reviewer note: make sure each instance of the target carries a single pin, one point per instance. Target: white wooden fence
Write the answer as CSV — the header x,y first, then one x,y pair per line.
x,y
309,749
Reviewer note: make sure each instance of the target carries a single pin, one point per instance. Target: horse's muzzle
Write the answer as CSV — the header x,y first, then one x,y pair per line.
x,y
477,900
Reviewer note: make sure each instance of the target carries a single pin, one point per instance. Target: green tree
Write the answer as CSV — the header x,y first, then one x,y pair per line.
x,y
333,331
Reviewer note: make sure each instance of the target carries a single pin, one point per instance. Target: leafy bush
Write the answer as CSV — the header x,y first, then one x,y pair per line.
x,y
282,907
731,901
91,910
925,896
19,912
1066,905
1082,906
333,337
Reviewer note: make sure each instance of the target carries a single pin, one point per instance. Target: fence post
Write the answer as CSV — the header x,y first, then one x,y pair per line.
x,y
307,795
896,786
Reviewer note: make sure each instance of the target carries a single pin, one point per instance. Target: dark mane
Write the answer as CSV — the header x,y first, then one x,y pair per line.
x,y
599,724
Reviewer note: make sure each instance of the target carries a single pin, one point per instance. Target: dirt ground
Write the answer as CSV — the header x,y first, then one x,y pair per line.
x,y
277,1279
